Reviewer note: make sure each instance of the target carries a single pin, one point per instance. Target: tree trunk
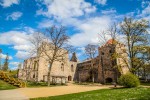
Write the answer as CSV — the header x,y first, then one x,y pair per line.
x,y
49,74
48,79
145,75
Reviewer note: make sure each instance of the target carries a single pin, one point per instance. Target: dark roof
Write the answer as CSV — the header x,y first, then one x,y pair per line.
x,y
74,57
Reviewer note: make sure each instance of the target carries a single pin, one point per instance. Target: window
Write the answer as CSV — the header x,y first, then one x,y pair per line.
x,y
110,51
35,65
72,69
102,53
33,75
62,67
49,65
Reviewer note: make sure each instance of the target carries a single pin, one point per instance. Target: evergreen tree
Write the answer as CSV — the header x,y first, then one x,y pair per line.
x,y
5,67
0,58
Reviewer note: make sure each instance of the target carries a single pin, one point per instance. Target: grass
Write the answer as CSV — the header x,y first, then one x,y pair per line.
x,y
34,84
6,86
139,93
145,83
41,84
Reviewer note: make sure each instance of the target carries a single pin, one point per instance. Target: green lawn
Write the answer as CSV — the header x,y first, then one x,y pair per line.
x,y
34,84
6,86
145,84
41,84
106,94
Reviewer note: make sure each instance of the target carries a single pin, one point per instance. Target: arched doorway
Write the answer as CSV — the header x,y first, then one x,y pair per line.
x,y
109,80
69,78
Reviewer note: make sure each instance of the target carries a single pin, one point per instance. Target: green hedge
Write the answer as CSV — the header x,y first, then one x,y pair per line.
x,y
129,80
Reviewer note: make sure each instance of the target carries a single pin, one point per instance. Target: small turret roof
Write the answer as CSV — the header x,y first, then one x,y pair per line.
x,y
74,57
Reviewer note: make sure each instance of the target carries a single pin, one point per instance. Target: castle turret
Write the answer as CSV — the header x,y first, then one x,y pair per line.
x,y
74,57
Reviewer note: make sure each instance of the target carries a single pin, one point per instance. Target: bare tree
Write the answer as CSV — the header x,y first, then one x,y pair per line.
x,y
56,47
36,40
90,51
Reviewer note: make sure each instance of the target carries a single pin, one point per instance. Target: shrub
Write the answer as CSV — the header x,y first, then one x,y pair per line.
x,y
129,80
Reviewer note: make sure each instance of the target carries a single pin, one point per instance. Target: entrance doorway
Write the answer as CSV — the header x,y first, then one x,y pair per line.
x,y
109,80
69,78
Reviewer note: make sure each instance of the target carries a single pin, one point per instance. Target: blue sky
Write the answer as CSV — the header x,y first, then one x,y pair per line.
x,y
84,19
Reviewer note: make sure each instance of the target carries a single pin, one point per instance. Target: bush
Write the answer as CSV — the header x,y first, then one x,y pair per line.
x,y
129,80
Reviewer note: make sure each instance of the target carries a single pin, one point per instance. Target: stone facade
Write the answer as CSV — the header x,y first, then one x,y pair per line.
x,y
104,68
36,69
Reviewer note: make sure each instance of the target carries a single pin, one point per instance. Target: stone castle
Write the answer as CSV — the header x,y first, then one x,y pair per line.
x,y
104,68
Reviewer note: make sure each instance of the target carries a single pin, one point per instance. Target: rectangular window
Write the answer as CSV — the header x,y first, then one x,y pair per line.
x,y
72,69
102,53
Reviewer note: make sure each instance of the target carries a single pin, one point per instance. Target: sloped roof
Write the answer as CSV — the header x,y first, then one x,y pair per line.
x,y
74,57
110,41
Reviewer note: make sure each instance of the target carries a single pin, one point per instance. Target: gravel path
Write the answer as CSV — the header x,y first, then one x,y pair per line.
x,y
26,93
12,95
59,90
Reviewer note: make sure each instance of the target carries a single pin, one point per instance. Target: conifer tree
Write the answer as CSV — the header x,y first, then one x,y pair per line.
x,y
0,58
5,67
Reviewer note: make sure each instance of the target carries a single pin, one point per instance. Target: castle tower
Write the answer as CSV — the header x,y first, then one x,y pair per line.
x,y
74,57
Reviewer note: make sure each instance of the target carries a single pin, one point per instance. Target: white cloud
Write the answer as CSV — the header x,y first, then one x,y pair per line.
x,y
144,3
19,40
66,9
4,56
22,47
8,3
110,11
45,23
102,2
15,38
89,30
67,13
22,54
14,63
14,16
145,13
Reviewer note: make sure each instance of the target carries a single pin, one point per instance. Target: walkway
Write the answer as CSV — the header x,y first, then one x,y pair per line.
x,y
59,90
25,93
12,95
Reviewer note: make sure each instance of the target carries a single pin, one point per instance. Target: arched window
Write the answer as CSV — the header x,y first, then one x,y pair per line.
x,y
102,53
62,67
35,64
72,69
49,65
33,75
110,51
